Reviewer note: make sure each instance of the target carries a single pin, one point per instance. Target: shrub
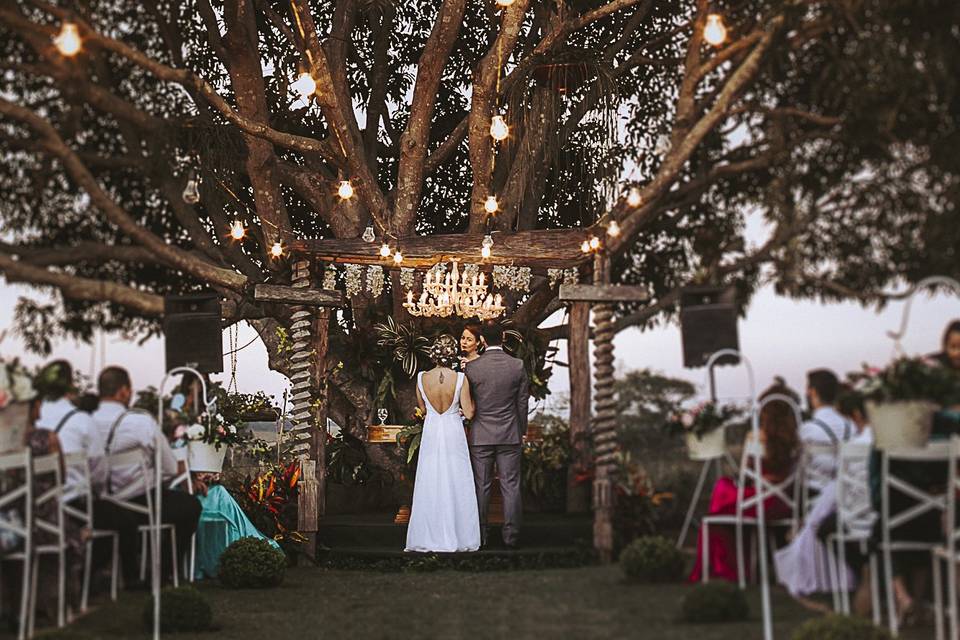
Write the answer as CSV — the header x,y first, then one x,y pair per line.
x,y
181,609
251,563
652,559
840,628
714,602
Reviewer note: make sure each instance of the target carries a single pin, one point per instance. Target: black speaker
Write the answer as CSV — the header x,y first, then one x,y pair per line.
x,y
708,323
193,332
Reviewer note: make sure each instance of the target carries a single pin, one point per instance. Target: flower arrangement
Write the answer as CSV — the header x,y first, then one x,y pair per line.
x,y
702,419
908,379
16,384
211,428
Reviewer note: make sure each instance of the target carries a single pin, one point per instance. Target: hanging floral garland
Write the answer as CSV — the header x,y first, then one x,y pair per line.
x,y
407,277
375,280
514,278
330,277
354,279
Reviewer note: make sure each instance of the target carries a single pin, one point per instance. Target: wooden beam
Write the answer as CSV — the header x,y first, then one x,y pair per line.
x,y
578,355
543,249
298,295
602,293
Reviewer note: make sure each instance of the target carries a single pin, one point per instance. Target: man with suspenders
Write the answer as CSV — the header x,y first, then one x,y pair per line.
x,y
826,426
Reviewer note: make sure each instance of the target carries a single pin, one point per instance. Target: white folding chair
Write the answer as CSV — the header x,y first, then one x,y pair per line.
x,y
18,497
810,475
185,479
49,466
923,502
83,491
949,551
855,519
123,497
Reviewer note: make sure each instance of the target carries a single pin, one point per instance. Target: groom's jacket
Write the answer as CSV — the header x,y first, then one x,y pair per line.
x,y
500,390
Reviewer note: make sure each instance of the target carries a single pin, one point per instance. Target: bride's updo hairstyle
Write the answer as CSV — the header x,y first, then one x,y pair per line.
x,y
445,351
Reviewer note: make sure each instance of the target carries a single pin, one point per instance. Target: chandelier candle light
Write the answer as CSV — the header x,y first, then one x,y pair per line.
x,y
445,295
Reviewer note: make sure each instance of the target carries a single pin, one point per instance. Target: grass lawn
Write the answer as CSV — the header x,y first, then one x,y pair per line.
x,y
589,602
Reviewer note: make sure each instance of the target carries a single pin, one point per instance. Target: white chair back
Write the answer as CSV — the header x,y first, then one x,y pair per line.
x,y
855,513
812,475
49,465
122,496
17,494
81,489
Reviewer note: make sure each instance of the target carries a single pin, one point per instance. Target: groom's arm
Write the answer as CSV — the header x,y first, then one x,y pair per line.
x,y
523,401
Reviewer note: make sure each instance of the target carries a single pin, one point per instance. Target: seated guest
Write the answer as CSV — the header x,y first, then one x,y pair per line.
x,y
122,430
778,434
802,565
826,426
947,421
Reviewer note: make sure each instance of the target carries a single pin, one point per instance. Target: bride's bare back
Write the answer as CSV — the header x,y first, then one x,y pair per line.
x,y
440,394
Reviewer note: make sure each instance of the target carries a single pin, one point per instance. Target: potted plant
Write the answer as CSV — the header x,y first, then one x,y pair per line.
x,y
208,440
16,390
902,398
703,428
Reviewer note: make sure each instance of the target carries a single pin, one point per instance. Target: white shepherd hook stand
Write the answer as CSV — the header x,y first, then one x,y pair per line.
x,y
157,487
897,336
715,463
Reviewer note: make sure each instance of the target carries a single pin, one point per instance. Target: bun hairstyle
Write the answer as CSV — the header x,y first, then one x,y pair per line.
x,y
445,350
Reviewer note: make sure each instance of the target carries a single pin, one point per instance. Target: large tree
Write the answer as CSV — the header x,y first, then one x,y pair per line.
x,y
833,121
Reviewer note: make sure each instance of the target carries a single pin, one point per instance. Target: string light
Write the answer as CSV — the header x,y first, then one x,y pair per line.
x,y
191,193
499,129
345,190
594,243
714,32
368,235
237,232
68,40
491,206
486,247
613,229
634,199
585,247
397,257
305,85
385,250
276,250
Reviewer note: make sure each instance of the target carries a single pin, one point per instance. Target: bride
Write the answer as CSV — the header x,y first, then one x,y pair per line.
x,y
444,514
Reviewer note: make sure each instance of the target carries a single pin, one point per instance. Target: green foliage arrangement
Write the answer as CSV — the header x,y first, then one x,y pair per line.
x,y
714,602
181,609
545,460
652,559
908,379
702,419
840,628
250,563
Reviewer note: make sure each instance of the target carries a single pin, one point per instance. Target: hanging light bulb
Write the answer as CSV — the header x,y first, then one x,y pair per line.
x,y
491,206
499,129
276,250
237,232
191,193
345,190
305,85
613,229
397,257
714,32
68,40
594,243
634,199
504,3
385,250
368,235
585,247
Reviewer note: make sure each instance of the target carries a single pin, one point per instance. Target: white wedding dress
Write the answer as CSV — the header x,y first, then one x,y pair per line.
x,y
444,514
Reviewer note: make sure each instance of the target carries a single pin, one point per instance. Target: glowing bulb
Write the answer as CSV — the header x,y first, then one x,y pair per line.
x,y
385,250
68,40
368,235
633,197
305,85
585,247
613,229
345,190
594,243
491,206
499,129
276,250
191,194
487,241
714,32
398,257
237,231
485,253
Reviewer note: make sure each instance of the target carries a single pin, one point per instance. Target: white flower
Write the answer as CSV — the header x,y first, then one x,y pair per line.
x,y
231,428
22,387
687,420
195,431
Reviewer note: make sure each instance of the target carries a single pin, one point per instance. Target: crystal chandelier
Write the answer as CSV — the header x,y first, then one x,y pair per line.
x,y
443,296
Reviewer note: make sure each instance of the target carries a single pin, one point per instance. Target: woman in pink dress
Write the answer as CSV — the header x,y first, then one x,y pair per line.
x,y
778,433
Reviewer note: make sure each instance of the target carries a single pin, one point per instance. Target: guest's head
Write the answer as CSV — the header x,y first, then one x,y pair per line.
x,y
444,351
114,385
951,345
778,422
850,404
823,387
492,332
471,340
55,381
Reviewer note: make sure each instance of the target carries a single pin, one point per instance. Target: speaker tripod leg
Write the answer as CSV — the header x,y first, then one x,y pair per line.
x,y
704,471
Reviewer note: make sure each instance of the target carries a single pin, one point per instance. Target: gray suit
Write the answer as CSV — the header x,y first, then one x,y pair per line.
x,y
500,390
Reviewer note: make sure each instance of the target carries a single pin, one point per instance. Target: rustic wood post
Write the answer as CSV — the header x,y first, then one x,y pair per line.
x,y
303,377
578,356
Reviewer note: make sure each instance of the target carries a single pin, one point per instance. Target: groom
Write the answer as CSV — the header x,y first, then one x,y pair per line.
x,y
500,390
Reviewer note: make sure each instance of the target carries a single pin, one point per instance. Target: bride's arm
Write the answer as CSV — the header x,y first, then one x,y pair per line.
x,y
466,400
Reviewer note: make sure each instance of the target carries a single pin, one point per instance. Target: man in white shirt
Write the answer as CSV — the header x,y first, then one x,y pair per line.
x,y
121,430
826,427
